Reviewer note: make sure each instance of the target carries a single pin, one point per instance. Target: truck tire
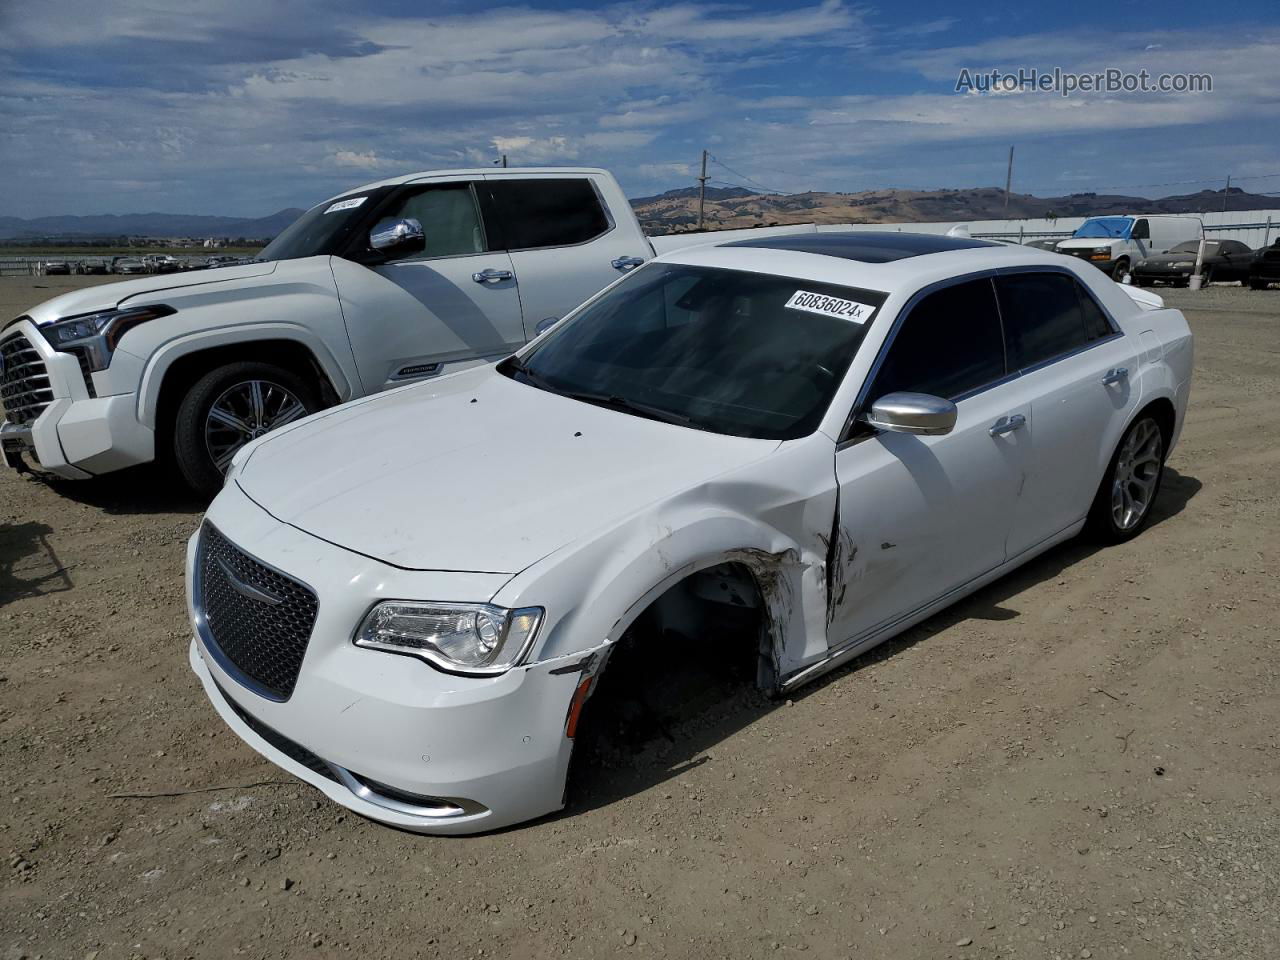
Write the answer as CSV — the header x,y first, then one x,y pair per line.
x,y
1120,269
228,407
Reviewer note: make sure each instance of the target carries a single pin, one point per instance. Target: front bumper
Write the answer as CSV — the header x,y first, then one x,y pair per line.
x,y
75,436
391,737
1162,274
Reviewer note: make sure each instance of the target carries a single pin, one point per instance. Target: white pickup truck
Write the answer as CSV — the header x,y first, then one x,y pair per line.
x,y
398,281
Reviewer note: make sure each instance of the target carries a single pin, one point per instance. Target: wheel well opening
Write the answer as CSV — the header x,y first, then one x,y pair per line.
x,y
683,676
186,370
1165,417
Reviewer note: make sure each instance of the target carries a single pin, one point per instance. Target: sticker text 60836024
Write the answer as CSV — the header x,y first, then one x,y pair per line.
x,y
830,306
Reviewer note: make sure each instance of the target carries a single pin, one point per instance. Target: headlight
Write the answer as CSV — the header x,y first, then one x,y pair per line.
x,y
1184,264
94,335
468,638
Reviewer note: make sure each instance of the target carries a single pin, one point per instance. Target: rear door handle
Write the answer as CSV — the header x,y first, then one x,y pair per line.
x,y
489,275
1007,425
1115,375
627,263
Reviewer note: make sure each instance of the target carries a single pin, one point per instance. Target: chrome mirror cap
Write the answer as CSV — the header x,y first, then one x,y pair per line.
x,y
397,234
919,413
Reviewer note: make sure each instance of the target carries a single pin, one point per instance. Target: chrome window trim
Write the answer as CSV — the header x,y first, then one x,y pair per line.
x,y
1010,375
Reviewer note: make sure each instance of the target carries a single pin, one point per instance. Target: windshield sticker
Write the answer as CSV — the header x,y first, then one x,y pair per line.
x,y
830,306
346,204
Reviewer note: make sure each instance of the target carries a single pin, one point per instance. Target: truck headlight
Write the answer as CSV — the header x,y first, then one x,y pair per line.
x,y
94,335
1100,253
467,638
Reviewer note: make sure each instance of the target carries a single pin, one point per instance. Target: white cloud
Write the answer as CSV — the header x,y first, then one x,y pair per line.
x,y
363,161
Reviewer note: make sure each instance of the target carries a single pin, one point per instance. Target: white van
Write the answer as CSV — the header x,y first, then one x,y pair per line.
x,y
1114,244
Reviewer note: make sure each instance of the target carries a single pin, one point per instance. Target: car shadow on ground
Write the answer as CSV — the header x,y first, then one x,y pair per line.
x,y
137,490
665,703
29,566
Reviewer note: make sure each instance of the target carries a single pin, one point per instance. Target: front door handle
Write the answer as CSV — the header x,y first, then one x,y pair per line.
x,y
489,275
1115,375
628,263
1007,425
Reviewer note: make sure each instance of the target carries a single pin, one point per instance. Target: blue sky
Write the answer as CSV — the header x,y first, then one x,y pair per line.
x,y
241,107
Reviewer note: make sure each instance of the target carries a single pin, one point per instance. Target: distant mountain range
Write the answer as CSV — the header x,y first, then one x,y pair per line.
x,y
677,210
726,208
147,225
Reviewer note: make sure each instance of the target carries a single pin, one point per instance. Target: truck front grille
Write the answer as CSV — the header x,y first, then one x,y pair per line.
x,y
25,391
259,619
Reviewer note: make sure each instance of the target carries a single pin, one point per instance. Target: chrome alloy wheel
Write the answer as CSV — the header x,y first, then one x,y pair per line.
x,y
244,412
1133,485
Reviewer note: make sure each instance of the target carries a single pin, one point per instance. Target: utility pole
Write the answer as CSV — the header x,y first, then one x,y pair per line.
x,y
504,161
1008,183
1225,192
702,189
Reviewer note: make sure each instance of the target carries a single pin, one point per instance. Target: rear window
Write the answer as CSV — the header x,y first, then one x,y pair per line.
x,y
537,213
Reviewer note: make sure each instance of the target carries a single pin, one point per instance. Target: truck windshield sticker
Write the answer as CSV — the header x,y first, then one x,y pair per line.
x,y
346,204
830,306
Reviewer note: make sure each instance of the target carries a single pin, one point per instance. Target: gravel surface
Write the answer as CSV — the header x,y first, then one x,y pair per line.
x,y
1078,761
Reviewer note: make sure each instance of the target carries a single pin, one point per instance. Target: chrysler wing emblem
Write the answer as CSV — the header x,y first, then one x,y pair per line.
x,y
247,589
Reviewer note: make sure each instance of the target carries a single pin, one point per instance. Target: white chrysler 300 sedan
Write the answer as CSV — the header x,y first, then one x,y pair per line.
x,y
406,600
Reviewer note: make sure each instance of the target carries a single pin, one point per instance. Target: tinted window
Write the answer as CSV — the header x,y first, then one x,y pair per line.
x,y
448,216
948,344
1042,317
723,350
1096,324
1234,247
1140,231
547,213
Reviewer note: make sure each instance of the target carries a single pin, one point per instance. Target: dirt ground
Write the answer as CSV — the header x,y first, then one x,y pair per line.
x,y
1081,760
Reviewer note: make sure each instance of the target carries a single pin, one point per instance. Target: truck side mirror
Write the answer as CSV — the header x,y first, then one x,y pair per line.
x,y
398,237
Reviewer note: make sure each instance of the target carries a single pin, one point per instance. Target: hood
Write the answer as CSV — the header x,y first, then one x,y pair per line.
x,y
1086,243
476,472
104,296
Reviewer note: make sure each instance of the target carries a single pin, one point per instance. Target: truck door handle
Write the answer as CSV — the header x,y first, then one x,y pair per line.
x,y
627,263
489,274
1007,425
1115,375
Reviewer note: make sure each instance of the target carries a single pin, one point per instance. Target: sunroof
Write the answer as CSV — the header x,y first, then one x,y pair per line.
x,y
866,246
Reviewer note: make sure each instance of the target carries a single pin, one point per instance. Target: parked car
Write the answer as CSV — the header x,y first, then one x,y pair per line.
x,y
401,280
1265,267
1114,244
406,601
1224,260
93,265
52,267
126,265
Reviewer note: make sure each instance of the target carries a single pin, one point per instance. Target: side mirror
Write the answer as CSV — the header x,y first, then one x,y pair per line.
x,y
398,237
919,413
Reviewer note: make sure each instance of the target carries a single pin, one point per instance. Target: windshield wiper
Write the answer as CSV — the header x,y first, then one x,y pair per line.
x,y
608,400
622,404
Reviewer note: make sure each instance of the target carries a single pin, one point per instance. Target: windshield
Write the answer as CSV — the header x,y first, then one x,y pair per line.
x,y
1193,246
737,353
1105,227
323,229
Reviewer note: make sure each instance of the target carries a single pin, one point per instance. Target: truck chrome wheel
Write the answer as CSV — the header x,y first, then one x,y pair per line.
x,y
1137,474
244,412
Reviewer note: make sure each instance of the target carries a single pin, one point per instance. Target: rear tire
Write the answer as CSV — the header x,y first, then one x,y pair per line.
x,y
1257,283
251,399
1122,505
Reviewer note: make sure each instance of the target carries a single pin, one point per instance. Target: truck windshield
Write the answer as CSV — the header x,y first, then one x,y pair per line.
x,y
720,350
322,230
1105,228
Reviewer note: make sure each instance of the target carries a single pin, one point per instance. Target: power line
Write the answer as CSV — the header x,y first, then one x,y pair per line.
x,y
744,177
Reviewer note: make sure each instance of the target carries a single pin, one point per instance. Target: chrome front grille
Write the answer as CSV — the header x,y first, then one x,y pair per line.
x,y
256,621
24,380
